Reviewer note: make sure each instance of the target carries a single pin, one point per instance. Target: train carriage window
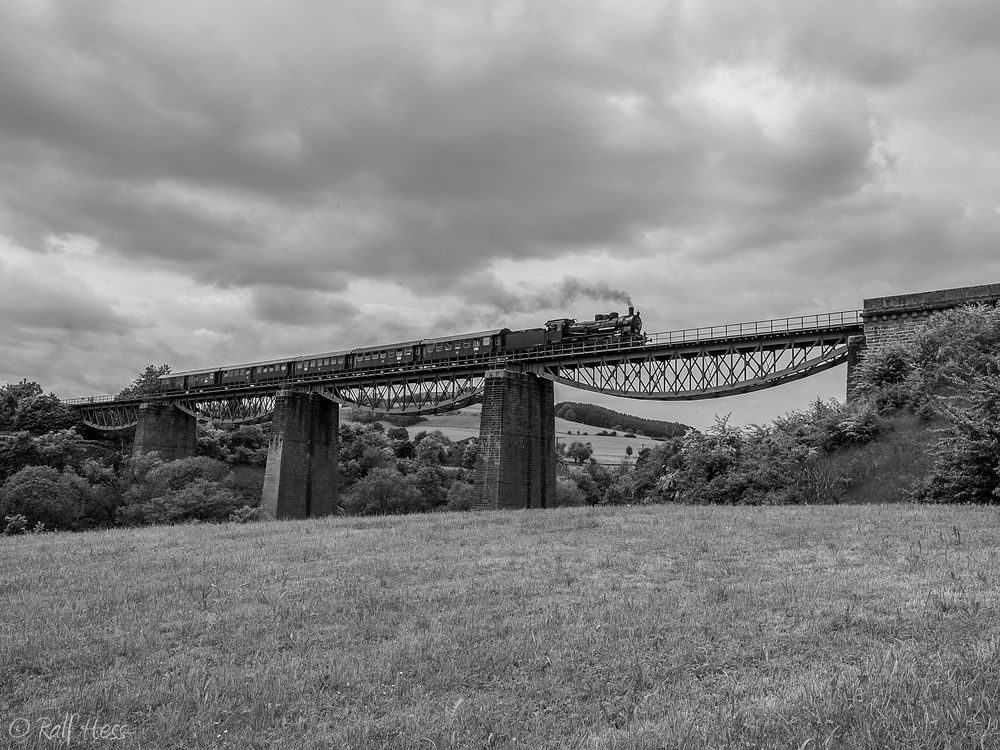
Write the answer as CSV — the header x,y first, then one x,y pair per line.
x,y
486,340
381,355
467,344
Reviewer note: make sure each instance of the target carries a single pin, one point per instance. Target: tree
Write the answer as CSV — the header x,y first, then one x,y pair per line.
x,y
146,383
43,413
23,406
471,454
579,452
967,460
433,486
42,495
16,452
11,395
60,449
432,449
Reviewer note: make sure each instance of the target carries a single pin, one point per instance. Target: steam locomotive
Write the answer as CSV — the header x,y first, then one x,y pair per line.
x,y
495,343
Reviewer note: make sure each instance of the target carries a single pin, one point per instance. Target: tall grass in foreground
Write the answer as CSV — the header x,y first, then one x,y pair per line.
x,y
646,627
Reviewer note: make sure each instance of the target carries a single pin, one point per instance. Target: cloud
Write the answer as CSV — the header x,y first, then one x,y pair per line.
x,y
250,181
293,307
44,299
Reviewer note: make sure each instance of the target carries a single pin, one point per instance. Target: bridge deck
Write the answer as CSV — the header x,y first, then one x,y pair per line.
x,y
761,334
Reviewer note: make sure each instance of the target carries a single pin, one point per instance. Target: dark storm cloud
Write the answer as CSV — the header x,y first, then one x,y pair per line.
x,y
356,141
289,167
436,169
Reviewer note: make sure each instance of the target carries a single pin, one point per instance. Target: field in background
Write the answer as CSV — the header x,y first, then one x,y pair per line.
x,y
464,423
643,627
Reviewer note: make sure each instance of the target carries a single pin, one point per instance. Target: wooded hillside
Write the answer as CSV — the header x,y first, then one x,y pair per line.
x,y
598,416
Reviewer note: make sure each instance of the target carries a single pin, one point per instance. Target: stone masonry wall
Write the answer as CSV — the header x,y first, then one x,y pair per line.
x,y
516,467
896,320
300,479
165,429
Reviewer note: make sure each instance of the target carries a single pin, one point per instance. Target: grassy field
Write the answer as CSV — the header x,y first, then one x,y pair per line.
x,y
644,627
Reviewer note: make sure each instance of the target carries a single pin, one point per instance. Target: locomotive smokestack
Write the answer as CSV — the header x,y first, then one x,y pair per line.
x,y
631,310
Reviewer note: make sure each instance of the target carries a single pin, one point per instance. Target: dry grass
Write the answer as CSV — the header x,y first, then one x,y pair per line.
x,y
886,470
810,627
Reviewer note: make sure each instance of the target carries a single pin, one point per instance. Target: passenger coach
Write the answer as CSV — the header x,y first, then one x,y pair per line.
x,y
556,333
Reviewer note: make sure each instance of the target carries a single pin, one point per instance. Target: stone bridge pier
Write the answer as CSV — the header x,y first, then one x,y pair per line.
x,y
165,429
300,478
516,467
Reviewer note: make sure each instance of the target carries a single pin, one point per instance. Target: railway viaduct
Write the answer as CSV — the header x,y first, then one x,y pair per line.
x,y
516,466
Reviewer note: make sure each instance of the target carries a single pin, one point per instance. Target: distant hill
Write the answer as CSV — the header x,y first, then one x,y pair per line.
x,y
598,416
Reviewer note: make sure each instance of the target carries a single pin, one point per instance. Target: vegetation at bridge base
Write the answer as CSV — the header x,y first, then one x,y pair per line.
x,y
59,480
385,471
925,426
601,628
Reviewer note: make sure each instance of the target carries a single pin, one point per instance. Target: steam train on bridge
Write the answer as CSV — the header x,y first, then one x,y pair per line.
x,y
437,351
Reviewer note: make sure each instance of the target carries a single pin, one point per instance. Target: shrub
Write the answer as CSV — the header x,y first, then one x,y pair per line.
x,y
173,476
888,378
15,525
967,459
568,492
200,500
40,494
460,496
246,514
382,491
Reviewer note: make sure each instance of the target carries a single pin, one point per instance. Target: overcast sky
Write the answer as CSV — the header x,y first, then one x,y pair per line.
x,y
210,182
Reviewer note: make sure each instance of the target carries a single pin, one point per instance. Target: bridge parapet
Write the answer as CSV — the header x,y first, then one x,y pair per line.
x,y
895,320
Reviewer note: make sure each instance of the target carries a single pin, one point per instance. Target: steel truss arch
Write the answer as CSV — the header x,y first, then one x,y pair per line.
x,y
430,393
110,416
724,369
244,408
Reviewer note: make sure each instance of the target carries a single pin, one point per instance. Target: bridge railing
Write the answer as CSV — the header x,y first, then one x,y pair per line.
x,y
758,327
89,400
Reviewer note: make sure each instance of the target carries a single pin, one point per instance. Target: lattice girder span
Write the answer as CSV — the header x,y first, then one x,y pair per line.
x,y
709,371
